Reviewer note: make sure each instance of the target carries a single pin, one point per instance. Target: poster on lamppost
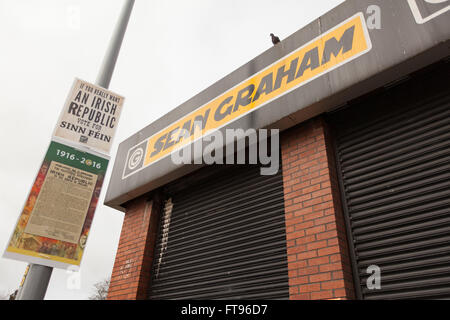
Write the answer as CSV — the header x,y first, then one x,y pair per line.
x,y
90,116
54,224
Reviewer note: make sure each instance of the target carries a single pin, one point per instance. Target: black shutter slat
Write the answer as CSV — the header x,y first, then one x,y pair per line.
x,y
223,237
393,159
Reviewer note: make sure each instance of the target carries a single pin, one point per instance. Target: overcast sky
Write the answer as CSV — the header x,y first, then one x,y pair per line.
x,y
173,49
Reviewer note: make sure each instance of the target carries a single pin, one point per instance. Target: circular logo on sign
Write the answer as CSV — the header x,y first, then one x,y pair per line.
x,y
88,162
135,158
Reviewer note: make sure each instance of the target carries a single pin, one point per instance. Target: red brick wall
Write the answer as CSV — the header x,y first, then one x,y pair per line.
x,y
318,261
130,278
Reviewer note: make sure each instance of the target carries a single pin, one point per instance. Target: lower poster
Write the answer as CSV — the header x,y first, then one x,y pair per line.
x,y
53,227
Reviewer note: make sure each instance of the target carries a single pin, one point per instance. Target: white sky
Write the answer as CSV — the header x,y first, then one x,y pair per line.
x,y
172,50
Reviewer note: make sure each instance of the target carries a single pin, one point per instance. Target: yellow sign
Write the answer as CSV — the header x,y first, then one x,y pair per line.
x,y
338,46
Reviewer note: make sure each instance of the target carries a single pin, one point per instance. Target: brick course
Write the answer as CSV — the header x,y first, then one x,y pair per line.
x,y
318,260
131,274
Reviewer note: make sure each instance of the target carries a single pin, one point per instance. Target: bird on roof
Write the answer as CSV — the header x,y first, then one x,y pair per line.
x,y
275,39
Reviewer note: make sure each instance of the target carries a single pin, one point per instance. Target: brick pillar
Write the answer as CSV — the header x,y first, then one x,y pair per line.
x,y
318,259
130,278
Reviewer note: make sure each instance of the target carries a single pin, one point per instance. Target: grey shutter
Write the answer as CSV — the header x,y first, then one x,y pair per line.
x,y
223,237
393,152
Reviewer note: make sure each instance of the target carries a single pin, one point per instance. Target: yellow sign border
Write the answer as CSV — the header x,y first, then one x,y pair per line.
x,y
361,44
44,256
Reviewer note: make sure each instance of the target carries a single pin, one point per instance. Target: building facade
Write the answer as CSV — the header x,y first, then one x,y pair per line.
x,y
359,208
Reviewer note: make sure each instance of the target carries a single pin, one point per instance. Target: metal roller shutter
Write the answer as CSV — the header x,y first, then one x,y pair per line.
x,y
223,237
393,153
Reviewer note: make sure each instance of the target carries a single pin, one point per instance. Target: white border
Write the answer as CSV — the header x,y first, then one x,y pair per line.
x,y
418,16
40,261
369,47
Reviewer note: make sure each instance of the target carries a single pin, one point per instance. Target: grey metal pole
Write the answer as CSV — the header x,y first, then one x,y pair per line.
x,y
38,277
36,283
109,61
